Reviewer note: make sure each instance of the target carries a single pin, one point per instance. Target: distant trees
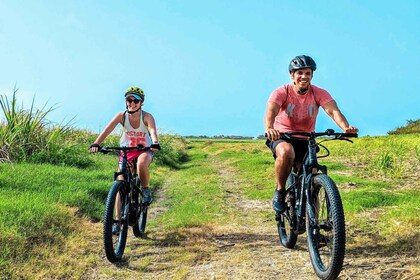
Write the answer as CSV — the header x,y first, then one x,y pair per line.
x,y
411,127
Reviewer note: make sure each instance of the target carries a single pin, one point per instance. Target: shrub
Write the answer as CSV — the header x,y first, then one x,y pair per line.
x,y
411,127
174,150
27,135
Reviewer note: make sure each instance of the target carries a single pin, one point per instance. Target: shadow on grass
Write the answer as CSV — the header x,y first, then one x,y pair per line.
x,y
165,251
406,247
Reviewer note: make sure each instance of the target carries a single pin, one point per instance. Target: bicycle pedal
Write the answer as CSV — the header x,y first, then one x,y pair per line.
x,y
323,241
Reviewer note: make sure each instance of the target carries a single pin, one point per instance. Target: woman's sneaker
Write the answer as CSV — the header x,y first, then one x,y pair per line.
x,y
147,196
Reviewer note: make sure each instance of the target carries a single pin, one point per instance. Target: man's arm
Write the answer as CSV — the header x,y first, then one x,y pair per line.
x,y
332,110
270,115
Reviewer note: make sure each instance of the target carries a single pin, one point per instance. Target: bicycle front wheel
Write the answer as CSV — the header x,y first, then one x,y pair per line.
x,y
326,229
287,221
115,222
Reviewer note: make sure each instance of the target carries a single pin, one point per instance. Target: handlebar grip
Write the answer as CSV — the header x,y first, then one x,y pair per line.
x,y
155,146
355,135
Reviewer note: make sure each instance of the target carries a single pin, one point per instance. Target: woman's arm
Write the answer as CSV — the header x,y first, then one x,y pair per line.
x,y
149,121
107,130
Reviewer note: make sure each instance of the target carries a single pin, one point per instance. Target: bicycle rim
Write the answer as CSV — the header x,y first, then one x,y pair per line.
x,y
114,244
326,238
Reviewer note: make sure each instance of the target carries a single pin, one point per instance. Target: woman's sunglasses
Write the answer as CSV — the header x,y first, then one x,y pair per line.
x,y
136,101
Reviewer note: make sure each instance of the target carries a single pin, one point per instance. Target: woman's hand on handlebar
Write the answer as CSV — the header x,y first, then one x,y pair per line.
x,y
94,148
155,147
272,134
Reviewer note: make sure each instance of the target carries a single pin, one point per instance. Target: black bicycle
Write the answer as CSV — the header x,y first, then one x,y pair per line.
x,y
124,206
313,204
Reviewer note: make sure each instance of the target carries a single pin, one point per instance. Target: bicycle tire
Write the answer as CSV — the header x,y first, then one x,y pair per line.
x,y
327,237
114,245
287,221
140,227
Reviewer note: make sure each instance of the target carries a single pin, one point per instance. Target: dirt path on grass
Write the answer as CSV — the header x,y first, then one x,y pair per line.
x,y
246,247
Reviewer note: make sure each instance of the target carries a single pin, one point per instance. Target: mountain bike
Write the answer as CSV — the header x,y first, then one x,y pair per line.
x,y
124,206
313,204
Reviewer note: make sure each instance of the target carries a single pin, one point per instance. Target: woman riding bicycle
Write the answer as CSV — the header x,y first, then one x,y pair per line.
x,y
139,128
294,107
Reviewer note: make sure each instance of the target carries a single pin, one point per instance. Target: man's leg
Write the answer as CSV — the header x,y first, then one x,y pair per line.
x,y
285,156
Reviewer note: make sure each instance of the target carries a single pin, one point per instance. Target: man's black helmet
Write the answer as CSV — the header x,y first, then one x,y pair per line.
x,y
302,61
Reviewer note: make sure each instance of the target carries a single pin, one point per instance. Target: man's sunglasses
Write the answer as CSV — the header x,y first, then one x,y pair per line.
x,y
136,101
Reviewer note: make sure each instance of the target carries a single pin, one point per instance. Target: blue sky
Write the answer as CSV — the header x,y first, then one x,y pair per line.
x,y
208,67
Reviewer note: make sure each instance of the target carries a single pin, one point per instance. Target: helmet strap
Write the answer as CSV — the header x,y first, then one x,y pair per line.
x,y
301,90
132,112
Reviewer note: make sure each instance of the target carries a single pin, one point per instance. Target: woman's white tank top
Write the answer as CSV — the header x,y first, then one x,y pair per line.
x,y
131,137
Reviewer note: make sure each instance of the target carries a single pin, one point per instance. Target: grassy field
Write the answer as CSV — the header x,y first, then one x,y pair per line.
x,y
50,223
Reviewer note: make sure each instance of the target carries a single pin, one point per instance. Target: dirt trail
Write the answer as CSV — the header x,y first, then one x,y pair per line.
x,y
245,248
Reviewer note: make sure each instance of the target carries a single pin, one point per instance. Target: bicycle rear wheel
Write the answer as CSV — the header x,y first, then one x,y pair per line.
x,y
114,242
287,221
326,232
140,227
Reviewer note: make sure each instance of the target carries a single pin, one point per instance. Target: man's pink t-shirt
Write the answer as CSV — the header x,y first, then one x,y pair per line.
x,y
298,112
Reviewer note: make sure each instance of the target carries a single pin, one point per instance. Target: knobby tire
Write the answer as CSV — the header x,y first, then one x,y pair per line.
x,y
287,221
115,244
327,238
140,227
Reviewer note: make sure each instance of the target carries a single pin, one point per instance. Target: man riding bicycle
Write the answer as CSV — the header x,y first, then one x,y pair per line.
x,y
139,128
294,107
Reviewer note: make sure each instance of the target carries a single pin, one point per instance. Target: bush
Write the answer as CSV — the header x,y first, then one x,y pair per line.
x,y
173,152
411,127
27,136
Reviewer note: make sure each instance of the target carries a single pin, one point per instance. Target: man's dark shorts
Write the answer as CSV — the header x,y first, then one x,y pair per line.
x,y
300,147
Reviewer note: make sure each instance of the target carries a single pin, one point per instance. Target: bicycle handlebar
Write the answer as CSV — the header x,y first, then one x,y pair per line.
x,y
313,135
106,150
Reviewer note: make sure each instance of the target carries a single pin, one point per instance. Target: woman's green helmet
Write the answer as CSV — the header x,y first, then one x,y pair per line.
x,y
136,92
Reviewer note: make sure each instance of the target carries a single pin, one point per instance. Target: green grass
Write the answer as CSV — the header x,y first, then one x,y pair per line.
x,y
194,196
42,204
348,163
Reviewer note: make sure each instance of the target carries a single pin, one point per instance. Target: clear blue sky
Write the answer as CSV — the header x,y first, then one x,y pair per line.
x,y
208,67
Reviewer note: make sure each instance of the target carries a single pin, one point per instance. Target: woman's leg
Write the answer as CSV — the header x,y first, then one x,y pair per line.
x,y
143,162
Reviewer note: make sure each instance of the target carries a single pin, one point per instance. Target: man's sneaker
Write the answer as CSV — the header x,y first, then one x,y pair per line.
x,y
116,229
278,201
147,196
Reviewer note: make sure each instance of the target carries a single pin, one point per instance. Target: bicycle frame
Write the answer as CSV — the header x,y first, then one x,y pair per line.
x,y
129,175
309,168
314,206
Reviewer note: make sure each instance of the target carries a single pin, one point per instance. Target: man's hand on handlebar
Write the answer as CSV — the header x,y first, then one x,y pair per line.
x,y
351,129
272,134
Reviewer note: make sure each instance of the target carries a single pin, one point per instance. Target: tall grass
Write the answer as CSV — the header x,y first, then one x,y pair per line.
x,y
26,135
174,151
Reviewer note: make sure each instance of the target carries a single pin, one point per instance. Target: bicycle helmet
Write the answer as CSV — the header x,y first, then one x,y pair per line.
x,y
302,61
136,92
